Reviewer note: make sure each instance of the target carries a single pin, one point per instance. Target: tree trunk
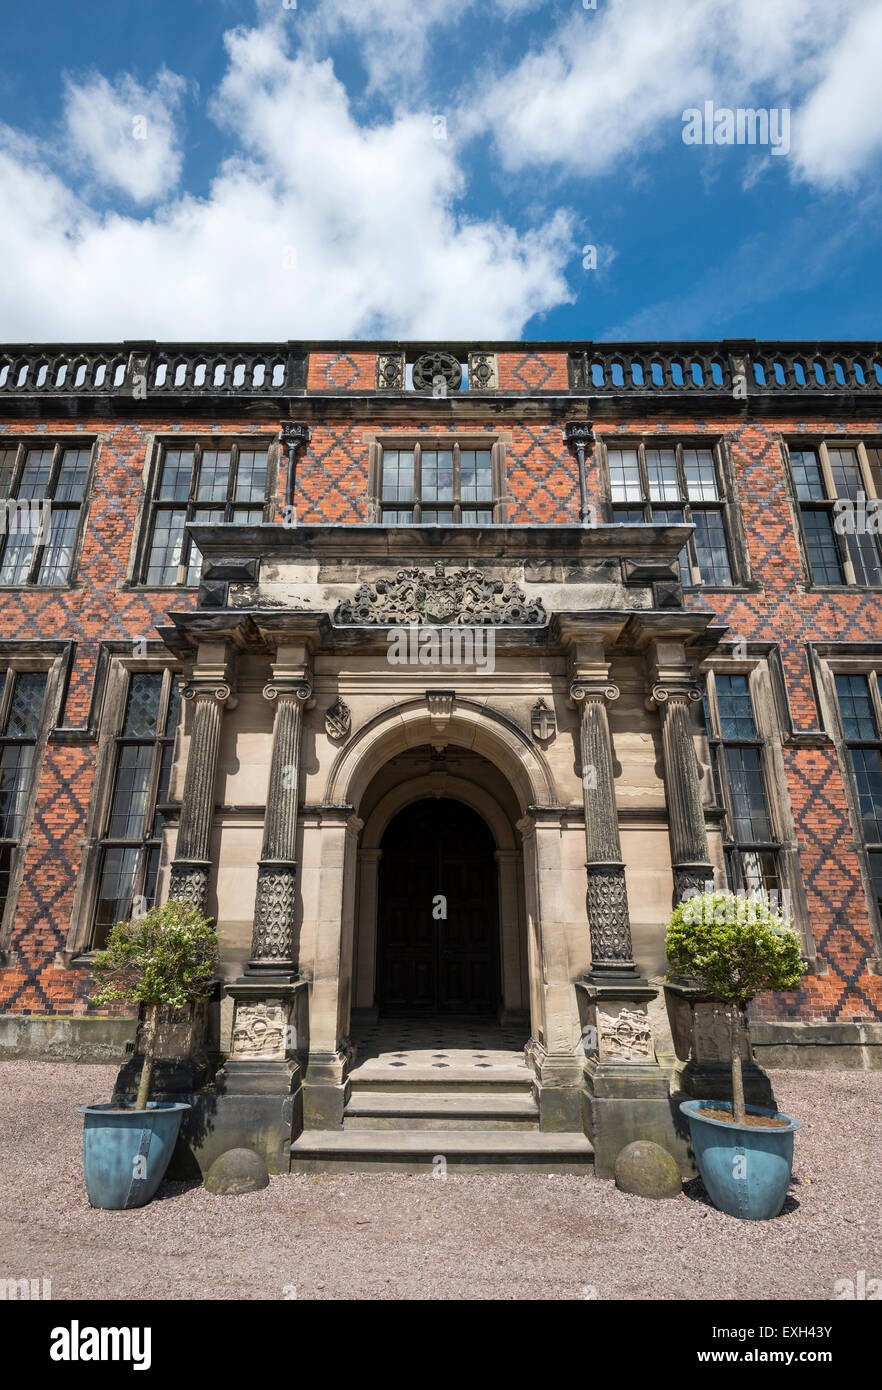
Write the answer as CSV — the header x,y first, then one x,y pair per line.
x,y
149,1053
739,1114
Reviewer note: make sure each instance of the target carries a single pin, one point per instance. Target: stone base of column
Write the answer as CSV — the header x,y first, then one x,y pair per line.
x,y
559,1087
700,1030
326,1089
628,1093
690,879
257,1099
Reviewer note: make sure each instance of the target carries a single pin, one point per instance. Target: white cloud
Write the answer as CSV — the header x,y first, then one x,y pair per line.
x,y
611,84
367,216
840,125
126,135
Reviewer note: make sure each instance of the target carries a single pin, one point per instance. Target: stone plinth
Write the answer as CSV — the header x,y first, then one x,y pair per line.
x,y
700,1029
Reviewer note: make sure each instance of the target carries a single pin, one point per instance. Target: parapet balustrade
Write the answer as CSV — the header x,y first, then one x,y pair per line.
x,y
749,369
149,370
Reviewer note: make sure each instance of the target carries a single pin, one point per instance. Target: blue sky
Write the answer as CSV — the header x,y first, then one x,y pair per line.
x,y
374,168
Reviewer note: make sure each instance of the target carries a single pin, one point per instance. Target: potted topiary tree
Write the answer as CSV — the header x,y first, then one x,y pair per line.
x,y
164,959
735,946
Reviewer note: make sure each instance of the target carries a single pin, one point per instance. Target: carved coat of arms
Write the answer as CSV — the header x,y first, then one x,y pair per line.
x,y
464,598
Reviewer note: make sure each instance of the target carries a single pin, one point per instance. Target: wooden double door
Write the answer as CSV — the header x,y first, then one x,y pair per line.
x,y
437,917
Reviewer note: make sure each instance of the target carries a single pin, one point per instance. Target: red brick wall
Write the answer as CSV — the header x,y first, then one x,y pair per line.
x,y
543,487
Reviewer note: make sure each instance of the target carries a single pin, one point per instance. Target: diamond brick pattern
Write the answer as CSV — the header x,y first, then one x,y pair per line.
x,y
542,486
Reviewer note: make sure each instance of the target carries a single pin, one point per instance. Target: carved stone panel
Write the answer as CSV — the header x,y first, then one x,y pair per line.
x,y
390,371
483,373
542,721
432,365
625,1036
463,598
259,1030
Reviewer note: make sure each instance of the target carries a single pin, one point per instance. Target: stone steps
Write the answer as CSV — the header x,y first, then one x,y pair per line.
x,y
432,1081
490,1110
417,1151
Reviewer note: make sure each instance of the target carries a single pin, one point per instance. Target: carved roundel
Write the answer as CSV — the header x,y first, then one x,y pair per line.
x,y
434,364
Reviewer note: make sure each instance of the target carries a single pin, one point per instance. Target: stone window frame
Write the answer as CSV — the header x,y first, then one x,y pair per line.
x,y
122,664
156,443
727,501
821,444
768,698
828,660
53,658
58,442
497,441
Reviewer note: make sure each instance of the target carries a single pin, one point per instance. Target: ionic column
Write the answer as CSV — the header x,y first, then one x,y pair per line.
x,y
272,941
608,917
690,857
192,862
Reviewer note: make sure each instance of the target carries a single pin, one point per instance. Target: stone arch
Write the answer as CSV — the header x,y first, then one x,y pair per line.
x,y
469,724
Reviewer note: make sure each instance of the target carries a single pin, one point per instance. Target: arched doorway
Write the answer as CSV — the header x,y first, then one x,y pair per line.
x,y
438,919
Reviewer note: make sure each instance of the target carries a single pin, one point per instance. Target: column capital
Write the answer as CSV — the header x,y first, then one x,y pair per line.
x,y
211,687
667,692
294,687
584,690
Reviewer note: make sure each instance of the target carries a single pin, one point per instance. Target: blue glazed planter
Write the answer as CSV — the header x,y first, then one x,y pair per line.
x,y
745,1169
126,1152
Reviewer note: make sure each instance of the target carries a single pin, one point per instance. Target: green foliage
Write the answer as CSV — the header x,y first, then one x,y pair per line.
x,y
734,946
167,956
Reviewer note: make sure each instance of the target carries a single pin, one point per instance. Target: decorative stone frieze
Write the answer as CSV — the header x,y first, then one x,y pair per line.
x,y
465,597
483,371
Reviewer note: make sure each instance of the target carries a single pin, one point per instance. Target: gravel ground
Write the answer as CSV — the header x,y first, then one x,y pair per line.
x,y
391,1236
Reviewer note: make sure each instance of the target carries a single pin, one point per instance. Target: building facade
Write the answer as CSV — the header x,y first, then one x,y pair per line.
x,y
437,674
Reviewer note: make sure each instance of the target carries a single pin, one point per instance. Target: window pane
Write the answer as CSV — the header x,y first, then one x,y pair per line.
x,y
475,475
168,543
6,854
203,516
129,807
748,794
630,516
701,475
847,480
437,516
177,468
16,761
760,868
214,476
863,550
150,876
251,475
58,552
876,875
807,477
671,516
17,555
710,547
248,516
437,481
736,711
117,884
661,468
856,707
35,478
391,517
142,706
624,475
71,483
7,468
398,475
27,705
479,516
867,768
821,546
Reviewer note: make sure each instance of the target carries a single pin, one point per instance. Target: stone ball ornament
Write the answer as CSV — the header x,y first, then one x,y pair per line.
x,y
236,1172
645,1169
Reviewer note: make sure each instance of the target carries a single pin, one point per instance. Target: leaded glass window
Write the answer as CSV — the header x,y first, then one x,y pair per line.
x,y
837,492
130,848
438,486
41,493
689,477
23,695
751,846
204,484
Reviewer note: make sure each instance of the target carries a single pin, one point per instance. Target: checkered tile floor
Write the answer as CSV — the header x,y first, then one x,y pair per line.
x,y
399,1045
